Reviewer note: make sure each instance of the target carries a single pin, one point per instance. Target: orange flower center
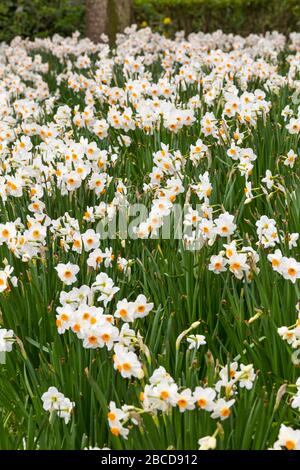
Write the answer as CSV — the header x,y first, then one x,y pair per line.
x,y
290,445
5,233
92,339
105,337
275,262
201,402
225,412
235,266
182,402
164,394
111,416
115,431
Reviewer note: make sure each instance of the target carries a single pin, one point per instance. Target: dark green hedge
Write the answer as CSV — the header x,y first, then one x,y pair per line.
x,y
236,16
45,17
40,17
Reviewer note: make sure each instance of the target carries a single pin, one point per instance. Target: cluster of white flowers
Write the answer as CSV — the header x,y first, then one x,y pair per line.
x,y
291,334
7,338
267,232
163,393
96,328
5,277
119,417
55,401
241,262
289,268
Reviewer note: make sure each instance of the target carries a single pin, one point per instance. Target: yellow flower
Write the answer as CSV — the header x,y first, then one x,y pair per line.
x,y
167,20
144,24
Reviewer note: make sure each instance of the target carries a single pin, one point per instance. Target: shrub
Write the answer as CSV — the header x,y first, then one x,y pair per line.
x,y
40,18
236,16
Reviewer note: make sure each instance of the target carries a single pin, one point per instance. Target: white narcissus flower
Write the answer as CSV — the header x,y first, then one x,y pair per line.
x,y
192,217
125,310
229,371
276,259
165,394
105,285
238,265
141,307
7,339
160,375
288,439
64,318
246,376
196,341
65,410
5,276
233,152
91,240
184,400
207,443
118,430
290,269
108,334
248,192
115,414
217,264
292,239
204,398
3,281
126,335
268,179
295,401
290,159
8,232
67,273
207,229
127,363
225,225
287,334
95,258
53,400
222,409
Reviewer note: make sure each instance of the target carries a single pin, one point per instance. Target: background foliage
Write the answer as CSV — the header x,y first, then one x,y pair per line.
x,y
43,18
236,16
40,18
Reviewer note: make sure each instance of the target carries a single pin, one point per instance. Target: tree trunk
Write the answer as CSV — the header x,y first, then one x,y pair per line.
x,y
124,12
107,16
96,19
